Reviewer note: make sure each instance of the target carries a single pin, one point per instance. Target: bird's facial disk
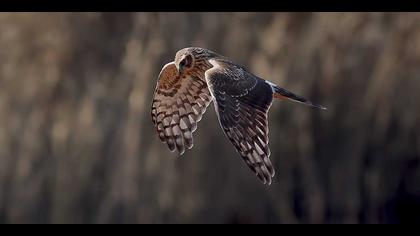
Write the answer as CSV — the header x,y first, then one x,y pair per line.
x,y
185,63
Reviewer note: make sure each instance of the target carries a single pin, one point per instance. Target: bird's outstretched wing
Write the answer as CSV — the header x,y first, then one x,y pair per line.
x,y
178,105
242,102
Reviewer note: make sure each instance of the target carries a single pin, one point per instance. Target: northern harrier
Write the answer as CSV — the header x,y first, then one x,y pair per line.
x,y
198,76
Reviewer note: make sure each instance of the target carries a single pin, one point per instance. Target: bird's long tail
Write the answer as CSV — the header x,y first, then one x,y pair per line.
x,y
281,93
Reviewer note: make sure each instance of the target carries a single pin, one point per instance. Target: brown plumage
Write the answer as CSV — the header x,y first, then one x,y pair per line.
x,y
198,76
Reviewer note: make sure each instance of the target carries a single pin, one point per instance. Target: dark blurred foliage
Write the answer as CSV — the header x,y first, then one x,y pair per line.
x,y
77,143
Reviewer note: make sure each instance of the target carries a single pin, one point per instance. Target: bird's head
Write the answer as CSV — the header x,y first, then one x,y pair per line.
x,y
184,60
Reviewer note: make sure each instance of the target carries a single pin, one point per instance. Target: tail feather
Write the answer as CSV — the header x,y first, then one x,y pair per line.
x,y
282,93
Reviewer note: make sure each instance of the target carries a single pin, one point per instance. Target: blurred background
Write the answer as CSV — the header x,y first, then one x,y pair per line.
x,y
77,144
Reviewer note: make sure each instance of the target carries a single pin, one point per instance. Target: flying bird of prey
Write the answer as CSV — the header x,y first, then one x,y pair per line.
x,y
198,76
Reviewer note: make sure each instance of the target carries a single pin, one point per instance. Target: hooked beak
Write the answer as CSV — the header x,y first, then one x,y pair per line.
x,y
180,69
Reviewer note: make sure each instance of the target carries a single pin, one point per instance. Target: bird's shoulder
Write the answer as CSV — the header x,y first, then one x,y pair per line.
x,y
226,69
229,77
